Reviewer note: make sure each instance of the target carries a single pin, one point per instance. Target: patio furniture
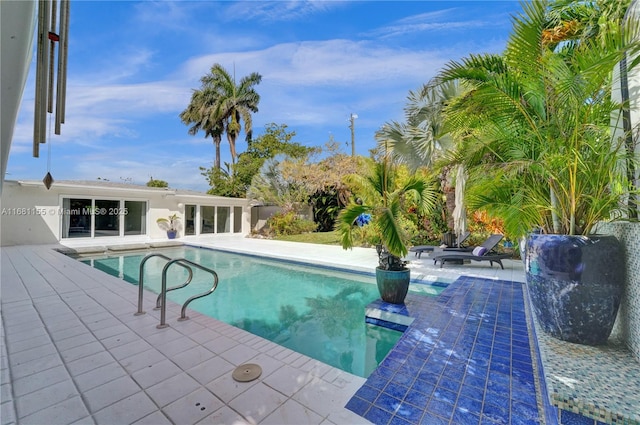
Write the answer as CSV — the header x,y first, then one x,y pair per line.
x,y
480,253
419,249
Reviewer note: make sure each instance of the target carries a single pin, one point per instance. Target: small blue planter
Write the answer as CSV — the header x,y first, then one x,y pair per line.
x,y
575,284
171,234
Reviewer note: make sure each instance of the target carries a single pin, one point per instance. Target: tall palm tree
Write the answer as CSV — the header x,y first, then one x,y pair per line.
x,y
202,114
234,102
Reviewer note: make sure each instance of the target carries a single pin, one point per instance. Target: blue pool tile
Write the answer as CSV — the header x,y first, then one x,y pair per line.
x,y
367,392
499,414
440,408
443,394
397,420
378,416
468,403
358,405
387,402
396,390
570,418
465,418
410,413
418,398
525,412
431,418
426,387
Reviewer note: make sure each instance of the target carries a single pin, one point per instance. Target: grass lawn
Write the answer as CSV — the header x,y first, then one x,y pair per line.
x,y
324,238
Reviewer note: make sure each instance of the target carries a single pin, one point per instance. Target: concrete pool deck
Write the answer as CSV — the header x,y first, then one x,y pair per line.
x,y
73,352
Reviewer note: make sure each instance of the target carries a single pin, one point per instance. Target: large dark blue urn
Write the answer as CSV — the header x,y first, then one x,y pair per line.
x,y
393,285
575,284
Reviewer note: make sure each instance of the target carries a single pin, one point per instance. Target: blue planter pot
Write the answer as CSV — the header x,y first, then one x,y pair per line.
x,y
575,284
171,234
393,285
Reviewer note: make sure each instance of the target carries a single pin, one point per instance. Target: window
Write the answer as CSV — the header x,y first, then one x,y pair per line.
x,y
189,219
223,220
76,218
207,215
237,219
135,218
85,217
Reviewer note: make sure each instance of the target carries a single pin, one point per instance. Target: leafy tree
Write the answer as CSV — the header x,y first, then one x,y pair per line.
x,y
157,183
235,180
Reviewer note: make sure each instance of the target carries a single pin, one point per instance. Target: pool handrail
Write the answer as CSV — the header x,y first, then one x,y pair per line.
x,y
163,292
141,279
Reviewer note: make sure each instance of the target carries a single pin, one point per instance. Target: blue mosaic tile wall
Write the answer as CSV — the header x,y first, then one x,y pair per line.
x,y
629,315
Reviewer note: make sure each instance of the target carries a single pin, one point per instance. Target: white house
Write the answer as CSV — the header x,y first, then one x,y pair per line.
x,y
105,211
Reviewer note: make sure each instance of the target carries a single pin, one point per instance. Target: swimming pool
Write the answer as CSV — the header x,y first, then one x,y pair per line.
x,y
315,311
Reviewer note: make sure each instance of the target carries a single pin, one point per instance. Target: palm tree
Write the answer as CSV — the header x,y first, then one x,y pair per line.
x,y
381,198
202,114
535,126
421,140
234,103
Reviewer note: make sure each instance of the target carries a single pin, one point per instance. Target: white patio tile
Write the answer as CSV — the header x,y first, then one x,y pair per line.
x,y
193,407
257,402
192,357
45,397
225,415
172,389
35,366
220,344
88,363
142,360
99,376
81,351
36,381
65,412
239,354
110,392
288,380
211,369
156,418
226,388
127,410
130,349
155,373
292,413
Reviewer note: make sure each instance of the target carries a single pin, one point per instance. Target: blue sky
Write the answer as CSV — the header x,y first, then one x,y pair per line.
x,y
133,66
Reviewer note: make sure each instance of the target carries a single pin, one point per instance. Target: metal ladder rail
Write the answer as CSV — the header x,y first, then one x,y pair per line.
x,y
163,293
141,279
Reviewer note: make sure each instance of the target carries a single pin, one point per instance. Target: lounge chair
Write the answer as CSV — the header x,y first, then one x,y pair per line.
x,y
419,249
483,252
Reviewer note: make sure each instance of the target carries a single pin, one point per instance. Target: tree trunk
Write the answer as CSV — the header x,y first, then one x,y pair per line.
x,y
216,162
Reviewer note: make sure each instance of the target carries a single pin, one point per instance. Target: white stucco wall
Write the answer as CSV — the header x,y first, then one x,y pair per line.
x,y
31,214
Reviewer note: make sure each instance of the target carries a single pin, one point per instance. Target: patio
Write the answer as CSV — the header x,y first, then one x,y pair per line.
x,y
73,352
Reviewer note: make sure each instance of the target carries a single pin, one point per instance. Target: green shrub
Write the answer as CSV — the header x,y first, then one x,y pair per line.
x,y
290,223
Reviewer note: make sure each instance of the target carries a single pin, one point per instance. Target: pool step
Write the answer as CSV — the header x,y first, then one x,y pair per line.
x,y
387,315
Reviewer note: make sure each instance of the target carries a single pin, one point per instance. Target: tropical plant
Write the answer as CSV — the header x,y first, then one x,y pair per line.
x,y
170,223
535,127
380,203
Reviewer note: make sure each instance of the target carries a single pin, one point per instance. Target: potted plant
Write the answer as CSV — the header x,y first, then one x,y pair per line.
x,y
537,137
170,224
379,206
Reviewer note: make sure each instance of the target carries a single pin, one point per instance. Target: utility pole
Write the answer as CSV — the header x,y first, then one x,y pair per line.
x,y
353,134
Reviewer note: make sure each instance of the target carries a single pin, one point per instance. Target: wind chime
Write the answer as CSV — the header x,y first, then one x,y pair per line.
x,y
53,28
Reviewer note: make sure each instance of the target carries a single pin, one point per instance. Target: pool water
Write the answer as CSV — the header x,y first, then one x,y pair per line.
x,y
318,312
